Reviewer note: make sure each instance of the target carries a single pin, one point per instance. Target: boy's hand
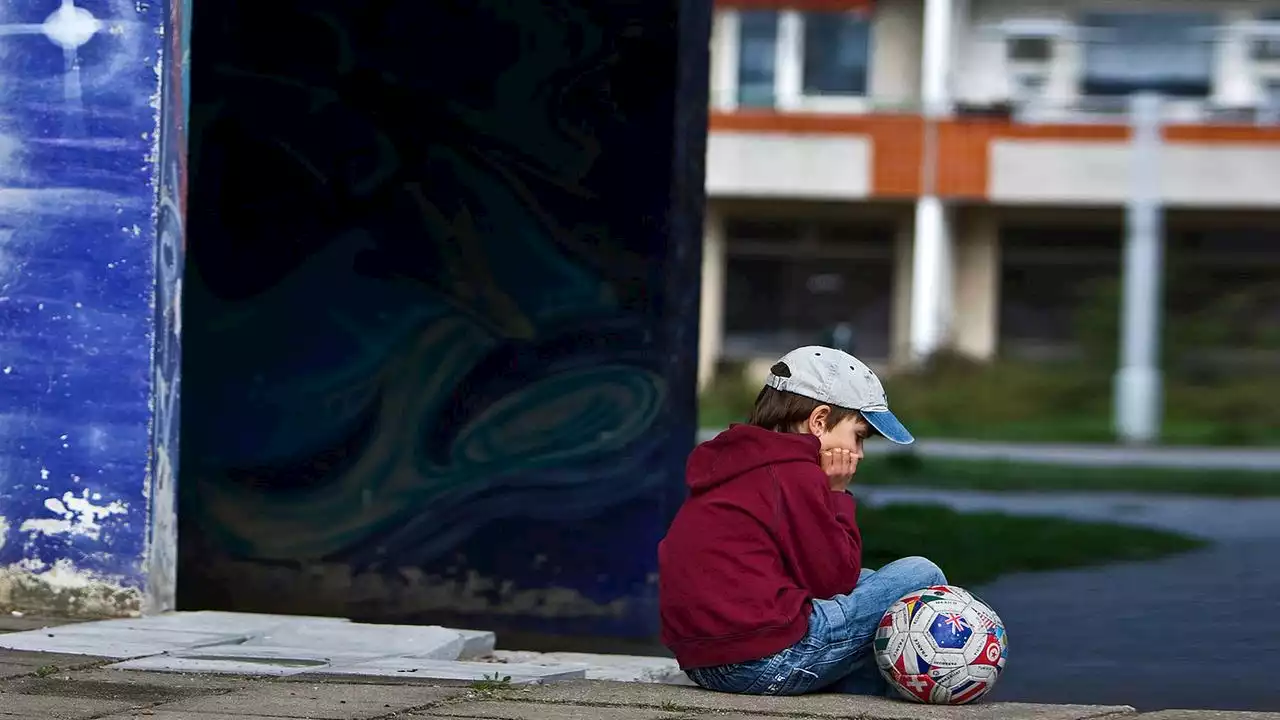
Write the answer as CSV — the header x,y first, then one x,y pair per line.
x,y
838,464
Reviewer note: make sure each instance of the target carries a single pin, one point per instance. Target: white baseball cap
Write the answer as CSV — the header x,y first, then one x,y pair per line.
x,y
835,377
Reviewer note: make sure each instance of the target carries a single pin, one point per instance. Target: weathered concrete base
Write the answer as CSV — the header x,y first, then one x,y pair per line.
x,y
64,590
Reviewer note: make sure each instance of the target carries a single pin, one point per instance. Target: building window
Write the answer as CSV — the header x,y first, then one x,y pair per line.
x,y
792,283
1271,95
837,47
1029,49
1166,52
1053,282
785,57
1267,47
757,57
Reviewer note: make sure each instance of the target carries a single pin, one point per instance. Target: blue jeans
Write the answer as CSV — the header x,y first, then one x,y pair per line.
x,y
835,654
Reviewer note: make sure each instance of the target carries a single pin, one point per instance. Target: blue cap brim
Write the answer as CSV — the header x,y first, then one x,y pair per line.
x,y
888,425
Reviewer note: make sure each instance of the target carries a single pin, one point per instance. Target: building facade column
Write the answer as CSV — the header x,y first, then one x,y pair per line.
x,y
976,318
931,283
931,279
900,317
711,306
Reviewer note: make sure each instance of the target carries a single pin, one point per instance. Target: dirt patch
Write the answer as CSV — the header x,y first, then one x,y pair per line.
x,y
136,694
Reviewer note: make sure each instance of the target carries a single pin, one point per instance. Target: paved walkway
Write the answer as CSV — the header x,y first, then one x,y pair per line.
x,y
48,687
1193,458
1186,631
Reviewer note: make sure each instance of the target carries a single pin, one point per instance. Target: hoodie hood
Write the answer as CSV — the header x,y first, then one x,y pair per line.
x,y
741,449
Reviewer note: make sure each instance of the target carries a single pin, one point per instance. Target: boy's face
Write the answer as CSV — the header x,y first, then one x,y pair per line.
x,y
848,434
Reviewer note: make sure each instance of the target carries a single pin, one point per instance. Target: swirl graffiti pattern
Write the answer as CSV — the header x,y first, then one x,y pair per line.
x,y
425,301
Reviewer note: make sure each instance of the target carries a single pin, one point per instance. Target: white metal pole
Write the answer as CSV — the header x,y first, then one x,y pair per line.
x,y
929,255
1138,386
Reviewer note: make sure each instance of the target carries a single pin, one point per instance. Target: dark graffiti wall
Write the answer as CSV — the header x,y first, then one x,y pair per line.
x,y
439,332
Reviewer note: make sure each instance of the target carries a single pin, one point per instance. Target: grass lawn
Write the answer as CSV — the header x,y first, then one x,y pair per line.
x,y
974,548
996,475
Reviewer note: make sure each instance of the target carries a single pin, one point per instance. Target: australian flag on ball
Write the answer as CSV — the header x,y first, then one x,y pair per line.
x,y
950,630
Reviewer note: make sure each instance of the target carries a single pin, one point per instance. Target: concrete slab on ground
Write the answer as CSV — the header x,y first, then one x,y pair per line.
x,y
112,641
476,643
216,666
622,668
214,621
247,660
426,668
429,641
257,645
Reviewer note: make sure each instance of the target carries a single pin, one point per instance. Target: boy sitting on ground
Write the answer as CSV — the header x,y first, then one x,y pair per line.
x,y
761,584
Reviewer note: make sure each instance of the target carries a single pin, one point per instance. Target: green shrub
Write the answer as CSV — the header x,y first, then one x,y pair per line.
x,y
1046,402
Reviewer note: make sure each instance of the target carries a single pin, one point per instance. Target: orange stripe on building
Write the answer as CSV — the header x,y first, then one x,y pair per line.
x,y
964,149
1224,134
963,144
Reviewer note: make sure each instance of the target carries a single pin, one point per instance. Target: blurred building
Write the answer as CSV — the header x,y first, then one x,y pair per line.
x,y
951,174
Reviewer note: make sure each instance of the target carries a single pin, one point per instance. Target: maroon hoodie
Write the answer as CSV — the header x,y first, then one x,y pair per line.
x,y
759,537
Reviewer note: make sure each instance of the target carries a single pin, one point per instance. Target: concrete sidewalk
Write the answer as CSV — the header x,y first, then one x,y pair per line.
x,y
41,686
56,686
1079,454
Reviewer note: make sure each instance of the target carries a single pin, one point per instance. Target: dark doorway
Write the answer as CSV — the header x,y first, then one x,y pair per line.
x,y
440,308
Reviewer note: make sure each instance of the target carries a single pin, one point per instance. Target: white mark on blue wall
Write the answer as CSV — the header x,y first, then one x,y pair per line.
x,y
69,27
75,515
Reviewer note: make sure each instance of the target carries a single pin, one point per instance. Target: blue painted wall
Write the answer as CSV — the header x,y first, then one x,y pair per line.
x,y
82,153
441,305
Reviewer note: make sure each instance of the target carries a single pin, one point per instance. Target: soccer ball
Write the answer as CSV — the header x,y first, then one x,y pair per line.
x,y
941,645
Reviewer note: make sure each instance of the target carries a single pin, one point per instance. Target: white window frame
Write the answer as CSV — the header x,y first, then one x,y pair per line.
x,y
788,69
1265,70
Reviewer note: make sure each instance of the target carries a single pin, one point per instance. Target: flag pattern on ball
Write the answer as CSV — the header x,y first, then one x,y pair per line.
x,y
941,645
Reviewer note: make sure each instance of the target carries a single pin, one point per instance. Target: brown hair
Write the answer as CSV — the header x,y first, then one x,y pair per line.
x,y
782,411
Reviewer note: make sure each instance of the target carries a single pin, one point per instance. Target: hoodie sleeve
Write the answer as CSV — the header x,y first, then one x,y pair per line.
x,y
819,524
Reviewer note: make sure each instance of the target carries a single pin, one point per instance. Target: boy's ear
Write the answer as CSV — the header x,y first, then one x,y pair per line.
x,y
817,424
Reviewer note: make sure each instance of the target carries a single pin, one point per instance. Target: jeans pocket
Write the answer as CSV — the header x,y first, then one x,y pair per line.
x,y
735,678
801,681
786,675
